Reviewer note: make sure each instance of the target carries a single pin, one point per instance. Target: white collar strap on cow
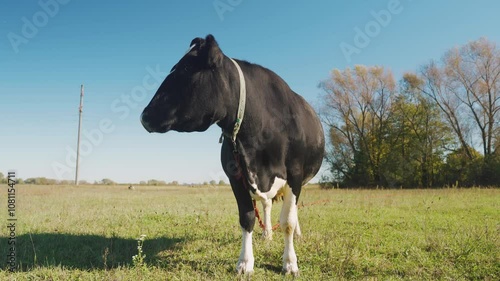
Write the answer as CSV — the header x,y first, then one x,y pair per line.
x,y
241,106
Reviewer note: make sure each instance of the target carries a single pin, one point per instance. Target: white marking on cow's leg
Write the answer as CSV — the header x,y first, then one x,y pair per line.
x,y
267,205
266,199
246,260
288,221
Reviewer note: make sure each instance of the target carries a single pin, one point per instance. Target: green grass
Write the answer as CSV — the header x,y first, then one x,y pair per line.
x,y
90,232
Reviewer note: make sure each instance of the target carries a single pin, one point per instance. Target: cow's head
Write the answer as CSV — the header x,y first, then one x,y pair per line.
x,y
190,96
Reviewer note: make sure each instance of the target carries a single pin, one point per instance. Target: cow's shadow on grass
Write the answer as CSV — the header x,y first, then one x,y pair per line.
x,y
83,252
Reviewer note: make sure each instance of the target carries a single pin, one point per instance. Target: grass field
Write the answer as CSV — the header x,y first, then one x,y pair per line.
x,y
89,233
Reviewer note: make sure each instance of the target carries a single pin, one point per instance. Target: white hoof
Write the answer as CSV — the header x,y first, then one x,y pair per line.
x,y
291,268
244,267
267,235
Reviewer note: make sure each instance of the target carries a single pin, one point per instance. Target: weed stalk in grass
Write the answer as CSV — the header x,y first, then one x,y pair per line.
x,y
138,260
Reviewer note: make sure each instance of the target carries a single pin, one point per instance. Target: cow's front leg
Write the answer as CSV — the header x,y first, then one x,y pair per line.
x,y
288,222
246,260
267,205
247,222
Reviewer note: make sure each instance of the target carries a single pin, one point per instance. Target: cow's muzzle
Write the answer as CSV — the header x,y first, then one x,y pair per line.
x,y
148,124
145,123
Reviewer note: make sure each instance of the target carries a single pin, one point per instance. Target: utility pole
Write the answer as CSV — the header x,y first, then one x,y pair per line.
x,y
80,109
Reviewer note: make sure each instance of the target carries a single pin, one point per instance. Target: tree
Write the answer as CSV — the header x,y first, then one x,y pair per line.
x,y
30,181
2,178
41,181
357,104
381,136
462,171
432,82
221,182
465,85
474,74
441,127
107,181
156,182
418,137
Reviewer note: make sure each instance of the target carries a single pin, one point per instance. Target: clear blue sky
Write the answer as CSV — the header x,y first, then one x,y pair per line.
x,y
109,45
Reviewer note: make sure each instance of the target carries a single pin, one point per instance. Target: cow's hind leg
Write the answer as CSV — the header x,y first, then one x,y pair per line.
x,y
267,233
289,223
298,232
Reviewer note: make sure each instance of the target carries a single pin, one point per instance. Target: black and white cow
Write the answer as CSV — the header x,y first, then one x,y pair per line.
x,y
273,139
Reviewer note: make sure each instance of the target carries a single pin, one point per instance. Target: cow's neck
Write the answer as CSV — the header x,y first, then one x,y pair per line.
x,y
237,103
248,141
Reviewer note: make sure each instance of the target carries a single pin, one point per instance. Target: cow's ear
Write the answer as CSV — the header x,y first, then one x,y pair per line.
x,y
195,45
196,42
213,52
